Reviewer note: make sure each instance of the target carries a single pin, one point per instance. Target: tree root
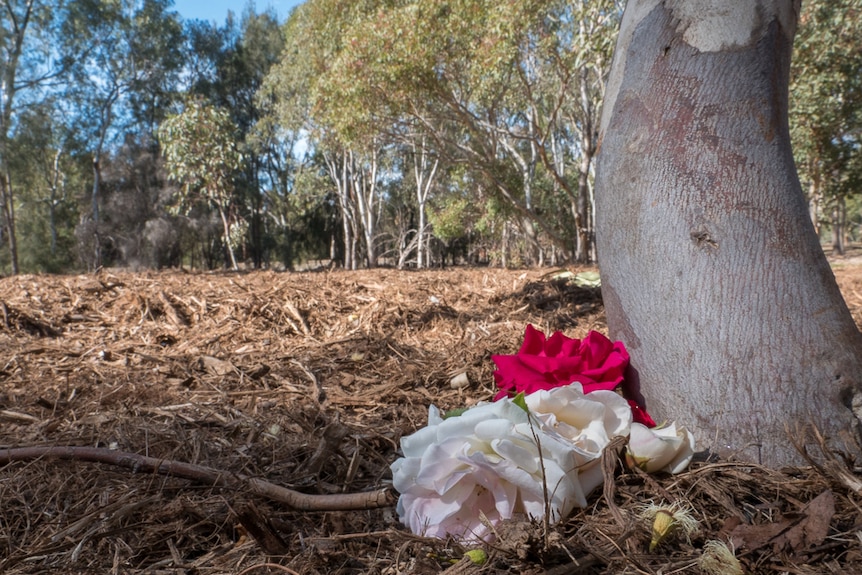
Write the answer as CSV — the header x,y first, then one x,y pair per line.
x,y
142,464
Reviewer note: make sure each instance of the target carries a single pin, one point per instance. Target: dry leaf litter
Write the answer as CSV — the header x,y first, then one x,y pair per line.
x,y
308,381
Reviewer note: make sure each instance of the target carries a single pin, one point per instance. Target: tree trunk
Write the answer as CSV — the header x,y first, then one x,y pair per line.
x,y
583,247
225,222
53,200
94,201
365,191
340,173
712,274
424,180
8,200
838,228
582,216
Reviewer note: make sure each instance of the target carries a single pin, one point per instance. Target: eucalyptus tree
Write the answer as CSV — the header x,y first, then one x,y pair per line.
x,y
199,145
712,274
126,75
46,162
29,62
230,63
509,90
315,34
826,107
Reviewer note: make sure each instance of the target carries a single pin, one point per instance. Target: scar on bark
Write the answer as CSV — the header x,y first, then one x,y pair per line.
x,y
703,239
208,476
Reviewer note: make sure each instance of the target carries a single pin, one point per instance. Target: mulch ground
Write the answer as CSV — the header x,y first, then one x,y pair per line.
x,y
307,381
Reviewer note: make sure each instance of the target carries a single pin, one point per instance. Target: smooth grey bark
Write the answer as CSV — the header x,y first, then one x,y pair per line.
x,y
712,273
424,177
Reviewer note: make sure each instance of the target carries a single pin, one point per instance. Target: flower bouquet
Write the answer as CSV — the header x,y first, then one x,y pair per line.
x,y
536,449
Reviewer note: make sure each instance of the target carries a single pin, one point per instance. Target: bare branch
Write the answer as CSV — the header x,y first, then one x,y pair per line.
x,y
142,464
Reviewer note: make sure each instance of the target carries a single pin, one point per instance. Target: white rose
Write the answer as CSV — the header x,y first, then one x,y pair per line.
x,y
667,448
486,461
588,421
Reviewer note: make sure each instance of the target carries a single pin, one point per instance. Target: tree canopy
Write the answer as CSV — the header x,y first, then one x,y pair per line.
x,y
381,132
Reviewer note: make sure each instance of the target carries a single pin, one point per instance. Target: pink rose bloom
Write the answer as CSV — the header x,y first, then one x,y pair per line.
x,y
541,363
545,363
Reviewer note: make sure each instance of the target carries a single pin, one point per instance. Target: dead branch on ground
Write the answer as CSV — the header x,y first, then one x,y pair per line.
x,y
142,464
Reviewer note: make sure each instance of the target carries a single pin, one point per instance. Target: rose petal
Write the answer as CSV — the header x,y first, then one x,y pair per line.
x,y
545,363
660,449
640,414
487,460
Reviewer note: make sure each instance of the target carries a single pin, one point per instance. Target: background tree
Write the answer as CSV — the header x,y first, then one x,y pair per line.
x,y
232,62
28,61
513,93
711,271
48,166
316,33
200,151
366,127
124,76
826,109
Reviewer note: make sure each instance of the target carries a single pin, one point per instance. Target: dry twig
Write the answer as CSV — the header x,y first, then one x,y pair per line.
x,y
142,464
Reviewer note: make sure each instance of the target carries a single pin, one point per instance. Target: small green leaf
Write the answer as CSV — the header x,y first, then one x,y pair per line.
x,y
455,412
521,402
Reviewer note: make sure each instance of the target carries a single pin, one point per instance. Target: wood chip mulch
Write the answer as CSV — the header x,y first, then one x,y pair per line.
x,y
307,381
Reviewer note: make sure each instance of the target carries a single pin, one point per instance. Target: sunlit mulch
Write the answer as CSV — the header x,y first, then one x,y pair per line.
x,y
307,381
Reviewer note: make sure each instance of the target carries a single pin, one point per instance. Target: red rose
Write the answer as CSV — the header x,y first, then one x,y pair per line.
x,y
640,415
594,362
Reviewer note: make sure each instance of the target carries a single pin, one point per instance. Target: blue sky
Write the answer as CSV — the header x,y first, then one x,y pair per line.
x,y
216,10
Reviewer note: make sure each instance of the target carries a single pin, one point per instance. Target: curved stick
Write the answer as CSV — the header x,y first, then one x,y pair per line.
x,y
142,464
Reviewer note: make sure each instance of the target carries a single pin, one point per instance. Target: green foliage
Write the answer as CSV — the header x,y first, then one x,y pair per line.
x,y
502,98
449,219
131,58
47,168
826,97
200,152
521,402
302,218
502,89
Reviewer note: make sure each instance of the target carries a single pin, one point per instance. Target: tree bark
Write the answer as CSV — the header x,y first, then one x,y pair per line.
x,y
712,274
340,173
424,178
584,246
94,202
225,222
839,219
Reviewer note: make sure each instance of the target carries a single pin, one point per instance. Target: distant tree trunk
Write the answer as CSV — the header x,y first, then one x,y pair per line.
x,y
106,114
839,218
8,200
13,43
94,200
815,196
583,247
53,200
582,217
340,173
424,177
712,274
226,227
364,182
504,246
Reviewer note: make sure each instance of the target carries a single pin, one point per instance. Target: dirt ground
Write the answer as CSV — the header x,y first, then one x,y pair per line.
x,y
307,381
